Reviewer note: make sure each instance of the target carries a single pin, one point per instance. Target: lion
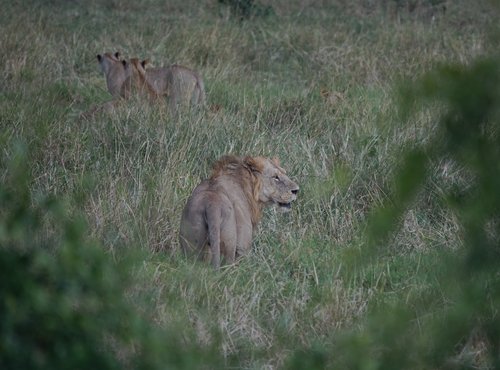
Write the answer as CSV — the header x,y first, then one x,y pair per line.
x,y
136,80
123,77
221,214
179,85
114,70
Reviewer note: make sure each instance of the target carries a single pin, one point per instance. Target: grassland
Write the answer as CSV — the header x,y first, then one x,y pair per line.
x,y
130,172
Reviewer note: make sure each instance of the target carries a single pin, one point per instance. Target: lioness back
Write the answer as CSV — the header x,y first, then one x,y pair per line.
x,y
180,85
188,84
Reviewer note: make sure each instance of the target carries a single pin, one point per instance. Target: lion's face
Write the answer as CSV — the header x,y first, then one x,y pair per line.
x,y
277,188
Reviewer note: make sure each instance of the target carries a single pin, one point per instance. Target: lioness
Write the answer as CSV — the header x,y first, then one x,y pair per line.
x,y
114,70
136,79
222,212
123,77
180,85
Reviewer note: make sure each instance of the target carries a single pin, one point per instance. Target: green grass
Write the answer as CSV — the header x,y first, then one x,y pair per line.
x,y
130,172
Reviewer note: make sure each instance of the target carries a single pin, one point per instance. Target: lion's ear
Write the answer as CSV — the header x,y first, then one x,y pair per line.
x,y
117,55
99,57
254,164
276,162
124,62
144,62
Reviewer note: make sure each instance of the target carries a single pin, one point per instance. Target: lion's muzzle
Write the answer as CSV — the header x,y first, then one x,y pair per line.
x,y
285,204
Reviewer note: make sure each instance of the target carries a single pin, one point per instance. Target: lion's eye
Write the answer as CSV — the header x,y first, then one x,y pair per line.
x,y
276,178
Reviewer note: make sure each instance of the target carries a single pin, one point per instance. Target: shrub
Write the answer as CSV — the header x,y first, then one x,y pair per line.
x,y
63,304
454,324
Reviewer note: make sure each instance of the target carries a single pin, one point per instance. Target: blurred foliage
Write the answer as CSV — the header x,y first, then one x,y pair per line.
x,y
455,323
63,299
461,329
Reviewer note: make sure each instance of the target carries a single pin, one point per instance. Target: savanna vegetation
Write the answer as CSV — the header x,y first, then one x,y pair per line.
x,y
385,113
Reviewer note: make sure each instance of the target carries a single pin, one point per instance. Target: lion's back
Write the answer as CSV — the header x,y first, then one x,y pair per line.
x,y
214,198
187,84
158,78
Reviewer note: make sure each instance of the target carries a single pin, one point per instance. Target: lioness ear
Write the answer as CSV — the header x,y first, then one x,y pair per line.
x,y
117,55
124,62
144,62
99,57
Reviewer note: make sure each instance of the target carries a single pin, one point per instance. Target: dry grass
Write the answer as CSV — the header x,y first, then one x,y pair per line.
x,y
131,171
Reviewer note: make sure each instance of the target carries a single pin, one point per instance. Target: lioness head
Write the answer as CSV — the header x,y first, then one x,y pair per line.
x,y
114,70
135,70
275,186
108,60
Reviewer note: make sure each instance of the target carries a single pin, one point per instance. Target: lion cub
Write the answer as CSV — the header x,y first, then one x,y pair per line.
x,y
179,85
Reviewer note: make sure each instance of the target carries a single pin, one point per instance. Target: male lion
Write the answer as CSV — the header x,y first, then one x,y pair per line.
x,y
222,212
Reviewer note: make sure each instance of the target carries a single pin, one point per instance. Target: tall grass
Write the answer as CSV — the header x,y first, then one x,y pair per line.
x,y
314,84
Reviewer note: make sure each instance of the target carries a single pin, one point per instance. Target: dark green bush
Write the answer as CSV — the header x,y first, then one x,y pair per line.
x,y
463,329
454,324
63,299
